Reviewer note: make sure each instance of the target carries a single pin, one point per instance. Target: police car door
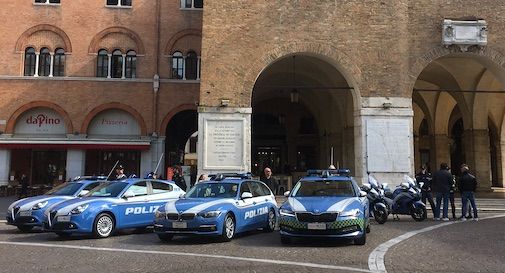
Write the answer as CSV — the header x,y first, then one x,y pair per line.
x,y
134,209
159,194
247,207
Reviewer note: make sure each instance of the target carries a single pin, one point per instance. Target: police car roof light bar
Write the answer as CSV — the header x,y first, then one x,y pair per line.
x,y
222,176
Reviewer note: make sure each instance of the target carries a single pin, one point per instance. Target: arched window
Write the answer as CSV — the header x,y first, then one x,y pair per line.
x,y
191,4
102,66
30,61
191,66
177,65
117,64
59,63
44,62
131,64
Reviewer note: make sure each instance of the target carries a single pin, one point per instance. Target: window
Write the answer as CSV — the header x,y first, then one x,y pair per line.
x,y
30,61
159,187
59,63
137,189
47,1
44,62
131,64
191,4
191,65
124,3
102,66
117,64
177,65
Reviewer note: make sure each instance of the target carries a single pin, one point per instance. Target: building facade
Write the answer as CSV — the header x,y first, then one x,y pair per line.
x,y
88,83
369,85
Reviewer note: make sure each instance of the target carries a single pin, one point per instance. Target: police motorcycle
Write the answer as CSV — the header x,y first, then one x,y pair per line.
x,y
406,200
375,194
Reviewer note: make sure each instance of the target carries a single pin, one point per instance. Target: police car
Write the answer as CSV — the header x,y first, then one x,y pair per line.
x,y
225,205
28,213
128,203
325,203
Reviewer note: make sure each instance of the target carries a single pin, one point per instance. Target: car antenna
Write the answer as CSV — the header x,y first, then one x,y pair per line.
x,y
111,170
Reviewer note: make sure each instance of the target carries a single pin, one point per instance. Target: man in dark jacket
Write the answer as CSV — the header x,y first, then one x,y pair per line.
x,y
442,182
424,179
467,187
270,181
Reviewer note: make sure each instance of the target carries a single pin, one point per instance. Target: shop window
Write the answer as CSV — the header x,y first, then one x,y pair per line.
x,y
119,3
44,62
102,66
191,65
59,63
131,64
177,65
30,60
117,64
47,1
191,4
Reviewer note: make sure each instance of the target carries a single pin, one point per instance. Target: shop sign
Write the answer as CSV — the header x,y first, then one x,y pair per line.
x,y
40,121
114,122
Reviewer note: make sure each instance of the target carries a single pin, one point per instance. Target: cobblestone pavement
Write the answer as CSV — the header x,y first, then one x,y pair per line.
x,y
463,247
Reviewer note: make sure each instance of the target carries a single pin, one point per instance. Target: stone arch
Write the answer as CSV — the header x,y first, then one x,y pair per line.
x,y
343,63
43,35
180,36
421,103
114,105
11,123
117,38
171,114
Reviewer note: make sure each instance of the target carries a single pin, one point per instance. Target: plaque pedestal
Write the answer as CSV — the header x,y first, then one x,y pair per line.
x,y
224,139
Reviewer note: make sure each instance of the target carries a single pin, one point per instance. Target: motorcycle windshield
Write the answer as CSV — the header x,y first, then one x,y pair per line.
x,y
409,180
373,182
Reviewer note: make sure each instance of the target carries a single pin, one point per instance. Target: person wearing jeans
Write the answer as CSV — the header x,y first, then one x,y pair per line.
x,y
467,187
442,182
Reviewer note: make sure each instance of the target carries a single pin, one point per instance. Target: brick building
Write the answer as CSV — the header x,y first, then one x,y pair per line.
x,y
292,85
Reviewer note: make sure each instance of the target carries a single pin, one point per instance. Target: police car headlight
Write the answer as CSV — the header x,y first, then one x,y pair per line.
x,y
79,209
159,215
39,205
210,214
351,213
285,212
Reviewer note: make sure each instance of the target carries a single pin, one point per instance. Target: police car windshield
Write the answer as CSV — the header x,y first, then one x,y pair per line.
x,y
323,188
65,189
111,189
213,190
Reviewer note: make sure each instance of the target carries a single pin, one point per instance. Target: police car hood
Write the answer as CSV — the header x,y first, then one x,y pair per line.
x,y
27,203
69,205
322,204
196,205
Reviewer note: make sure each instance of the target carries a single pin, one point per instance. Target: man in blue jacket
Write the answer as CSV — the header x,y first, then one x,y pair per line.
x,y
442,182
467,187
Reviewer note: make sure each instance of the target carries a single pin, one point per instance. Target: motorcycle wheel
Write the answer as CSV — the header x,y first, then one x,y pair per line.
x,y
381,215
419,214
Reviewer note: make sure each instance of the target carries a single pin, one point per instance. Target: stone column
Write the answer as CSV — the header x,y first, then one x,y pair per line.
x,y
37,60
501,165
51,67
123,68
417,153
76,160
482,159
109,65
5,164
151,157
384,139
442,151
224,139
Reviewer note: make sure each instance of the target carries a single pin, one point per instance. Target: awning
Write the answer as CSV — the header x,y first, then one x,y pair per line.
x,y
75,144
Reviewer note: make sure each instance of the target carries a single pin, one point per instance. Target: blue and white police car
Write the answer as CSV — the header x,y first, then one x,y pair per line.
x,y
325,203
28,213
124,204
225,205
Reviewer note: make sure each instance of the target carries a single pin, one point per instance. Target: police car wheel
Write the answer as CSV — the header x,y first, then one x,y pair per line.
x,y
166,237
103,225
228,228
272,221
25,228
285,240
361,240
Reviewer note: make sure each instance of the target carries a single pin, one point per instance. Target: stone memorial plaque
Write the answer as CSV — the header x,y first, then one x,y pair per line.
x,y
388,145
224,145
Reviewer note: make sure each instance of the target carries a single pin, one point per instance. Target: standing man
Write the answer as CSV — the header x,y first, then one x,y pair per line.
x,y
425,178
120,173
442,182
270,181
24,186
467,187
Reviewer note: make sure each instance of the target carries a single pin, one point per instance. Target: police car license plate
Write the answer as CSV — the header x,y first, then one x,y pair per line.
x,y
63,218
180,225
317,226
25,213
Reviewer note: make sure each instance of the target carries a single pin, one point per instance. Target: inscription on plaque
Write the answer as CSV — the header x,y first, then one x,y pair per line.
x,y
224,147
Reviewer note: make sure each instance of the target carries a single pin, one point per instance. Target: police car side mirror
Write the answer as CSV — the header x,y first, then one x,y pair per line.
x,y
181,196
362,194
128,194
246,195
82,193
286,194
